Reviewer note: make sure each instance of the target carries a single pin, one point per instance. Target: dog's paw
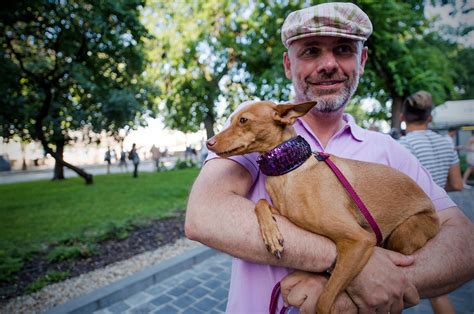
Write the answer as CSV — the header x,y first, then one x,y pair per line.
x,y
273,240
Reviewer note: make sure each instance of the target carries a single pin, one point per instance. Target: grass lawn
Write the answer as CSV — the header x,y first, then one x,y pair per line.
x,y
44,212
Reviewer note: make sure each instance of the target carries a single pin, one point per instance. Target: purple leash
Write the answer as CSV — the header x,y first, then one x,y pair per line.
x,y
289,156
363,209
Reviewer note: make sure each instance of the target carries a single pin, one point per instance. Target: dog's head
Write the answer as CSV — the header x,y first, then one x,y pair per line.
x,y
257,127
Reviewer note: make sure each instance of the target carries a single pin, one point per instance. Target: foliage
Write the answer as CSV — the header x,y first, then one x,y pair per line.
x,y
185,164
71,65
9,266
51,277
220,53
190,56
62,253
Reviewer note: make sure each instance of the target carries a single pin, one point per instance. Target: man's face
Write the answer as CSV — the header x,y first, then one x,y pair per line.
x,y
325,69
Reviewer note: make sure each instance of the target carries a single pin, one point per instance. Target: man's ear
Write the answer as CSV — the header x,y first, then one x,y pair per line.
x,y
287,113
287,65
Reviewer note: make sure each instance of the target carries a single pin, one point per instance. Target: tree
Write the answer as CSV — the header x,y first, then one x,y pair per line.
x,y
215,52
404,55
65,65
191,55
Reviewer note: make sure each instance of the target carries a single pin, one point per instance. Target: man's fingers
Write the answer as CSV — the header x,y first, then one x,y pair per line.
x,y
288,283
411,296
309,305
400,259
397,307
296,297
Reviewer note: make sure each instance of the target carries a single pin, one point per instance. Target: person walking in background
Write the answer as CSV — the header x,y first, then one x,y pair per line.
x,y
156,155
470,160
133,156
123,161
108,158
436,153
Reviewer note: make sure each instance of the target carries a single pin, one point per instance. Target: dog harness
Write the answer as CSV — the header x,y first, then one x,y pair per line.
x,y
290,155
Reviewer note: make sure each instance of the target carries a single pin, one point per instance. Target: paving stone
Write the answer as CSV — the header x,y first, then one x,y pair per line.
x,y
224,275
212,284
193,310
222,306
161,300
199,292
204,275
143,309
184,301
178,291
118,307
167,309
138,299
191,283
219,294
157,289
205,304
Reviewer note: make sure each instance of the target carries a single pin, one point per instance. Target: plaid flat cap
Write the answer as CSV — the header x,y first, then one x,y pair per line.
x,y
339,19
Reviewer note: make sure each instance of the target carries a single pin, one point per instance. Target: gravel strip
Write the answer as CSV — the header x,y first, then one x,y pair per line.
x,y
62,292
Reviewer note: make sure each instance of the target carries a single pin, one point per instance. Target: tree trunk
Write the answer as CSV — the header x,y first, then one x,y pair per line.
x,y
58,166
60,163
397,103
209,125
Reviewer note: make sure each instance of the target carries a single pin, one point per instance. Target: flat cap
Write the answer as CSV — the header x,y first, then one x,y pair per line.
x,y
338,19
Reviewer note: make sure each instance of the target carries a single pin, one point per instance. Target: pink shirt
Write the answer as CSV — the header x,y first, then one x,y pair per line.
x,y
251,284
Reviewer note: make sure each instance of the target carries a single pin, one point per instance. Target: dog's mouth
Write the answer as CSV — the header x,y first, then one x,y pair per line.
x,y
230,152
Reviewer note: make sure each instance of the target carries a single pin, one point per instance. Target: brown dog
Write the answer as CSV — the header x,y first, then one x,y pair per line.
x,y
312,197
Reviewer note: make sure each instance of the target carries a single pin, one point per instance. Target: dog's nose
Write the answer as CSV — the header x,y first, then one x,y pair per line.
x,y
211,142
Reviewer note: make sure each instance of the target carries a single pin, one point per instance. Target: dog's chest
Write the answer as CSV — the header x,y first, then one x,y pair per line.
x,y
289,191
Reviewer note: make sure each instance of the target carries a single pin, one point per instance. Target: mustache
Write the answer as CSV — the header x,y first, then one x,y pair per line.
x,y
325,76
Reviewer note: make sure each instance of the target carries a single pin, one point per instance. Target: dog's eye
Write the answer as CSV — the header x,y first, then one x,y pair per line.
x,y
243,120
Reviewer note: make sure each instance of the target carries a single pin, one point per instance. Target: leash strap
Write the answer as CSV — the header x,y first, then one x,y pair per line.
x,y
274,300
321,156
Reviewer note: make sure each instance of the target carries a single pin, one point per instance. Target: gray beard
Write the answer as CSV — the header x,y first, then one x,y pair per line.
x,y
334,103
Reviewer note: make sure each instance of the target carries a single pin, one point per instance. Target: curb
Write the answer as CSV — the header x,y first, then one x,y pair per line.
x,y
123,288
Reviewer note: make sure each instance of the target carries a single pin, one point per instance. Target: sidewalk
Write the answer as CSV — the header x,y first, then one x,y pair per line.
x,y
47,173
202,287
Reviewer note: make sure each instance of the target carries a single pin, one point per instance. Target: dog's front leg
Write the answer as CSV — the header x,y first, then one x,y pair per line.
x,y
269,228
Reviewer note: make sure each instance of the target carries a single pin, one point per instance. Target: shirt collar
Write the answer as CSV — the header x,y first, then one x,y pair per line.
x,y
358,133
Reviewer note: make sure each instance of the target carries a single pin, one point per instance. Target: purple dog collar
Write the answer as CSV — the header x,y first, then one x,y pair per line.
x,y
285,157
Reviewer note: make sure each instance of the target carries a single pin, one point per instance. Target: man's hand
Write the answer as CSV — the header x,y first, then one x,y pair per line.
x,y
381,286
302,289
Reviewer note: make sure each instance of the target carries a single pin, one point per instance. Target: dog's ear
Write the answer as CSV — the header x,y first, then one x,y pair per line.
x,y
287,113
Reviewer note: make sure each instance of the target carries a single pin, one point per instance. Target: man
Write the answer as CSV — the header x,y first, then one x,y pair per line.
x,y
156,155
436,153
324,60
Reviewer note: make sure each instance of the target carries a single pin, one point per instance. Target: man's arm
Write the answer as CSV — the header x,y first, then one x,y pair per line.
x,y
220,216
454,182
445,262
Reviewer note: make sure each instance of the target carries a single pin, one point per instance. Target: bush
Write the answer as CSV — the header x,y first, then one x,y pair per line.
x,y
63,253
185,163
9,266
51,277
